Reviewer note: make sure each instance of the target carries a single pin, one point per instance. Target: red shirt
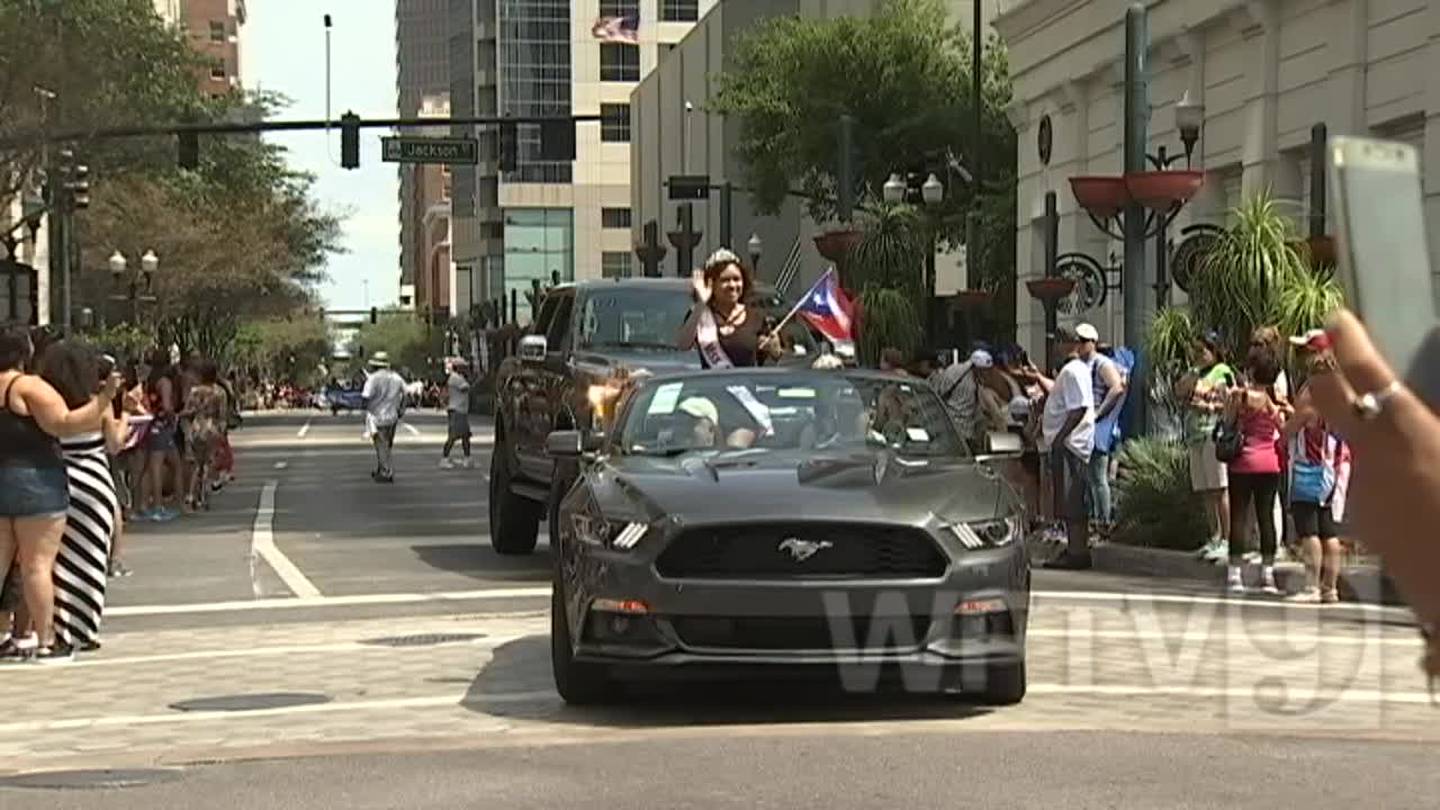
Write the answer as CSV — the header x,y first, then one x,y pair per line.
x,y
1260,452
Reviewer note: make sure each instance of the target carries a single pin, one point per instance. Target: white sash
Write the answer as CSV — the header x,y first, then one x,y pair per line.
x,y
753,406
707,335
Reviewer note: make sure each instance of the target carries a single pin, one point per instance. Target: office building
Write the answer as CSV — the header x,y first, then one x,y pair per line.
x,y
543,220
214,28
422,85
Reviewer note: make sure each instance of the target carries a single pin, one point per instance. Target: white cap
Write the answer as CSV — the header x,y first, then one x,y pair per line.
x,y
701,408
1088,332
981,359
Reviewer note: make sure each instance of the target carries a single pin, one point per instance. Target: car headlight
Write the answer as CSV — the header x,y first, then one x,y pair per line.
x,y
600,531
986,533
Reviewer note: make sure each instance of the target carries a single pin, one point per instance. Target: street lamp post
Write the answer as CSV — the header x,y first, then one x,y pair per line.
x,y
138,285
1139,204
932,194
756,249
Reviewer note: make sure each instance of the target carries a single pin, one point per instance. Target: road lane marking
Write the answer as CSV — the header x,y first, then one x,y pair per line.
x,y
286,603
287,649
262,544
414,431
305,428
1292,641
280,465
544,591
549,696
177,717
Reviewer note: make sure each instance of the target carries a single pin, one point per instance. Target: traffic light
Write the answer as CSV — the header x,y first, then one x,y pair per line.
x,y
188,150
374,314
79,187
557,140
848,172
350,141
509,147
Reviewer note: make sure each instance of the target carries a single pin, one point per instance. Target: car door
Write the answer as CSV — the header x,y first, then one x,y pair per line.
x,y
551,381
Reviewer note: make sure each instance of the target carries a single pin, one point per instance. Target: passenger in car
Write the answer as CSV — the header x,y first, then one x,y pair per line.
x,y
705,429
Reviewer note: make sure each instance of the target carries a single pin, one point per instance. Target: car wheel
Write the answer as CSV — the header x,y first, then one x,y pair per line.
x,y
514,520
578,684
1004,684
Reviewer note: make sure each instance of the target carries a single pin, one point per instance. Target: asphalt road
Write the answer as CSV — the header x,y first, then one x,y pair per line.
x,y
319,640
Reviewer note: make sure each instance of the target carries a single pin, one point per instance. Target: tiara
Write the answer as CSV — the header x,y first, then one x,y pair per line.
x,y
721,257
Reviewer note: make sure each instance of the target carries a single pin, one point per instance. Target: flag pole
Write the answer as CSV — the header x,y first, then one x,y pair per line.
x,y
800,302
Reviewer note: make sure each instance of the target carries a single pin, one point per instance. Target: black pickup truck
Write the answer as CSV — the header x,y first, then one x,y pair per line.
x,y
582,334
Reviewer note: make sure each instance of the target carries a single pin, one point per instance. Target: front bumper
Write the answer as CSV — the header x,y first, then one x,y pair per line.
x,y
700,628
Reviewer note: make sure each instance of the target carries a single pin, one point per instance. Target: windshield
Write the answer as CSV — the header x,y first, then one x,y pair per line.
x,y
630,317
801,410
627,317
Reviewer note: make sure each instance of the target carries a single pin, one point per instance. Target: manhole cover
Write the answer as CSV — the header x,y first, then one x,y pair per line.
x,y
250,703
423,640
91,780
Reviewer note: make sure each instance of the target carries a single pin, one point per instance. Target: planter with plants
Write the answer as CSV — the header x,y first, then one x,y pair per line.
x,y
1153,498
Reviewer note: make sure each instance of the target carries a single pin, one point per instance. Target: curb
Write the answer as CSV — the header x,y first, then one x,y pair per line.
x,y
1358,583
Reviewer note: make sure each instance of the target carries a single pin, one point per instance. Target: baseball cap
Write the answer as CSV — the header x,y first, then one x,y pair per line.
x,y
1065,333
1315,340
981,359
701,408
1088,332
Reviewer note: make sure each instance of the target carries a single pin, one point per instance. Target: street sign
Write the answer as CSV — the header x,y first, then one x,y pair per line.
x,y
689,187
430,150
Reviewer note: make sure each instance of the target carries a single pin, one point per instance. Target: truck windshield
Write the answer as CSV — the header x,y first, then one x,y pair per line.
x,y
633,318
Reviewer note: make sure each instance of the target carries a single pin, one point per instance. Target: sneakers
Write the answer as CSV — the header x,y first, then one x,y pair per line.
x,y
1216,551
466,463
1309,596
58,652
1234,580
1267,581
1329,596
446,463
14,650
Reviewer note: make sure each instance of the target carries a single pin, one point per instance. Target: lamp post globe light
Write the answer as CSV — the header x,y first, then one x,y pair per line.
x,y
118,263
894,189
137,287
933,192
756,248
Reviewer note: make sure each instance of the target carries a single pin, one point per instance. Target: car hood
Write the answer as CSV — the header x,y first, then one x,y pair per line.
x,y
657,361
763,485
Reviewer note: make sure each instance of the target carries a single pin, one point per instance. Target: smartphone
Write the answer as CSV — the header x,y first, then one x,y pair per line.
x,y
1384,256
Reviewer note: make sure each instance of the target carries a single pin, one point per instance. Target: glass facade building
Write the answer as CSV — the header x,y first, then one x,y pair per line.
x,y
535,70
539,242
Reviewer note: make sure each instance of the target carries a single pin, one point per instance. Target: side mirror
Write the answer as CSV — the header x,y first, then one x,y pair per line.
x,y
1001,445
572,443
533,348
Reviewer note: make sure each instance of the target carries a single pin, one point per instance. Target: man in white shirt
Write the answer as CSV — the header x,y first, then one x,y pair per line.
x,y
1067,428
384,398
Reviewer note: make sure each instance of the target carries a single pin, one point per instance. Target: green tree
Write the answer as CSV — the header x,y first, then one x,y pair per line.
x,y
107,62
411,343
292,348
906,80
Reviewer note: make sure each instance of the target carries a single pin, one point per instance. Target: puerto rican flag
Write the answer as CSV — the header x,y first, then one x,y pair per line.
x,y
828,309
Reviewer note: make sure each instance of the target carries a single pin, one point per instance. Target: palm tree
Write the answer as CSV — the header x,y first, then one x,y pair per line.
x,y
887,266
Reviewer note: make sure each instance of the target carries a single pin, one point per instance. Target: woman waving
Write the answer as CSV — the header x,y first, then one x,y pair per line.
x,y
727,332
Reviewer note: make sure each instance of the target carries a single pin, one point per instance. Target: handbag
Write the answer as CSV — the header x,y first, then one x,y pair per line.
x,y
1228,441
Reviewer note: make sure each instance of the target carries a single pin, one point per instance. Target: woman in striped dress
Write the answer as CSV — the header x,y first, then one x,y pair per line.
x,y
74,370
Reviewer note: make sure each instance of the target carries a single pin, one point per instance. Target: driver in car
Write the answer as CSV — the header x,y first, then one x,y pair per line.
x,y
705,426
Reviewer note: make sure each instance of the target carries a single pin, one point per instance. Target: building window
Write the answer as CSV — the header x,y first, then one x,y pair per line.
x,y
217,68
619,8
615,217
217,30
615,123
619,62
615,264
534,71
679,10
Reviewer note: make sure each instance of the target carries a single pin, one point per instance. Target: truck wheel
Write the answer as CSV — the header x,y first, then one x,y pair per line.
x,y
514,520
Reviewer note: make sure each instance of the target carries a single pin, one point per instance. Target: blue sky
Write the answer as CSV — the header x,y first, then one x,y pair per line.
x,y
284,52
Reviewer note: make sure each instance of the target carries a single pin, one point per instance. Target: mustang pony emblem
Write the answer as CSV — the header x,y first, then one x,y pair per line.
x,y
803,550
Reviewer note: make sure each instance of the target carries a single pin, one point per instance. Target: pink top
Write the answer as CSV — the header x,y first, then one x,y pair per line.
x,y
1261,451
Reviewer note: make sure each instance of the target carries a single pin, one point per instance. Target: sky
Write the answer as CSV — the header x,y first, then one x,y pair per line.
x,y
283,50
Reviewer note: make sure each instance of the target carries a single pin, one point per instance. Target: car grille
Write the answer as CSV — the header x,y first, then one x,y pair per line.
x,y
778,551
800,633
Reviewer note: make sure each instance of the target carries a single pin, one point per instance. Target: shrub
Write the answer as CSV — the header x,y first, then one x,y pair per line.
x,y
1153,499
